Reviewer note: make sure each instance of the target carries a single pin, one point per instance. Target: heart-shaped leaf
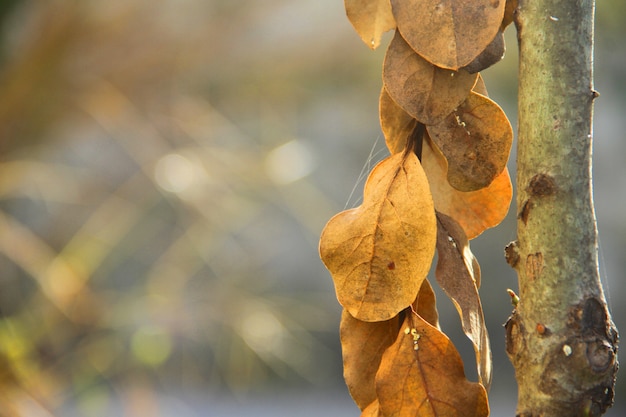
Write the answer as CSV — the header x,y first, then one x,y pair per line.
x,y
380,252
422,374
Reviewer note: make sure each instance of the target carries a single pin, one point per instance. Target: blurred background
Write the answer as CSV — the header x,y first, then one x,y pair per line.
x,y
166,167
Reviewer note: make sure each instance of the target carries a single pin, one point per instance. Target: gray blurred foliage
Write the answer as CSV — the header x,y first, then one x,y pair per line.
x,y
165,170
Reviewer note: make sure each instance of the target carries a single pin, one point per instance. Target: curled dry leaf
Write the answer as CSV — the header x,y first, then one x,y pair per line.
x,y
370,18
429,381
448,33
492,54
380,252
476,140
458,274
475,211
362,347
428,93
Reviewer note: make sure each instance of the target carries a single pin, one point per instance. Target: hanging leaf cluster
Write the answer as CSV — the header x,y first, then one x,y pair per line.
x,y
445,182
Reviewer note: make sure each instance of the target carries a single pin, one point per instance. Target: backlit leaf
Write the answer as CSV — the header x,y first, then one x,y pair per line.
x,y
458,275
475,211
380,252
448,33
396,124
370,18
428,93
476,140
426,304
429,381
372,410
362,347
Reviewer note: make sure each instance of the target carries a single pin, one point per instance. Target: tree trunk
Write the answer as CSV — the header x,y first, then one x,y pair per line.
x,y
560,338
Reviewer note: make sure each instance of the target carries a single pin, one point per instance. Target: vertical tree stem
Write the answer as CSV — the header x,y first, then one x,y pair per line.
x,y
560,339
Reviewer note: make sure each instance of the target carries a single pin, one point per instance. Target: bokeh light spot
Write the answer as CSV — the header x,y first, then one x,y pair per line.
x,y
289,162
174,173
151,345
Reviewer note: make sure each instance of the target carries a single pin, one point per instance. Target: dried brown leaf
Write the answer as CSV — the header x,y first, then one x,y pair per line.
x,y
372,410
476,140
475,211
509,13
428,93
429,381
380,252
426,304
448,33
396,124
370,18
480,86
362,346
458,274
492,54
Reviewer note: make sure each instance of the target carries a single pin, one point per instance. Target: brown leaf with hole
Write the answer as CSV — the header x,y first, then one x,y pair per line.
x,y
492,54
428,93
475,211
380,252
458,274
429,381
448,33
370,19
476,140
362,346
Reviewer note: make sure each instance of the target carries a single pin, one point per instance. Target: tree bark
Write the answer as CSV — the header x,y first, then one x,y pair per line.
x,y
560,338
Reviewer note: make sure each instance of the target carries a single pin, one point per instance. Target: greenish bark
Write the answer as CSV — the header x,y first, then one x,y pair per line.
x,y
560,338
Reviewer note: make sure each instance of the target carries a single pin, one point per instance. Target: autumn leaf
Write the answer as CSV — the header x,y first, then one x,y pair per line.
x,y
476,140
448,33
509,13
475,211
362,346
428,93
480,86
370,18
492,54
372,410
422,374
380,252
426,304
458,274
396,124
